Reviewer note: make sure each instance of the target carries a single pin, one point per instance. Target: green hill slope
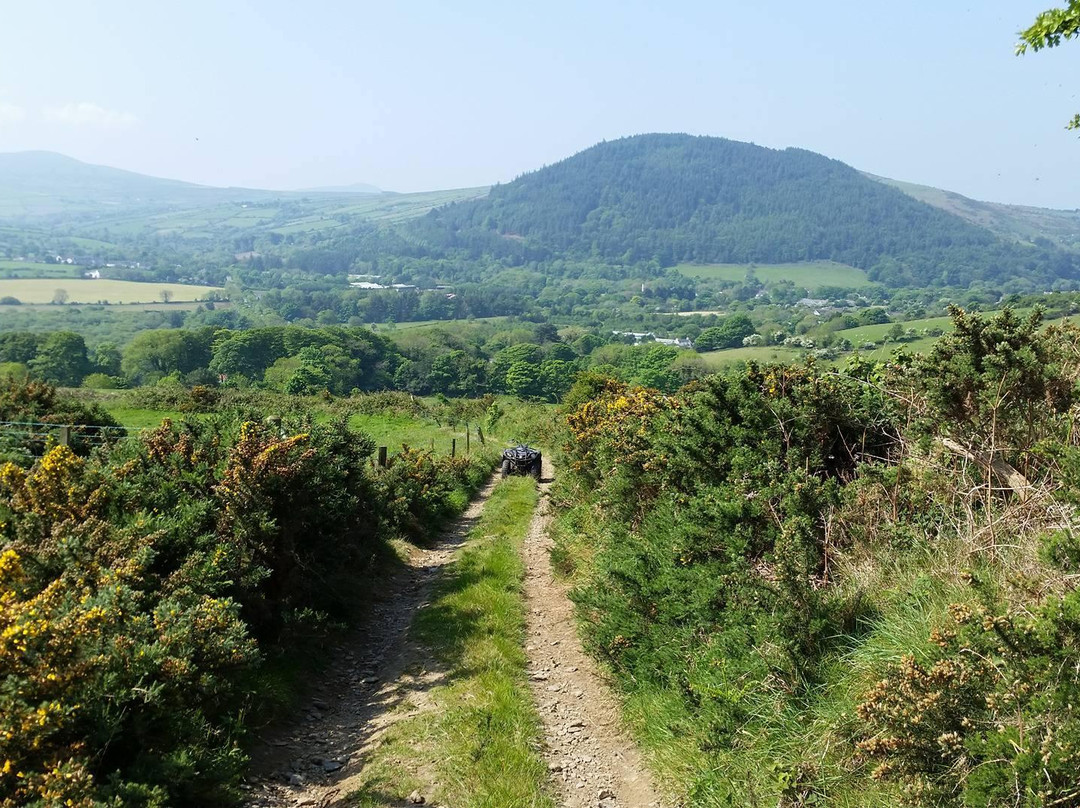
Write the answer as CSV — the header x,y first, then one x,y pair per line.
x,y
44,189
1014,222
34,184
679,198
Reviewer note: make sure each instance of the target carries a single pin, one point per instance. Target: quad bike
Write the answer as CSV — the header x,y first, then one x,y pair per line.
x,y
521,460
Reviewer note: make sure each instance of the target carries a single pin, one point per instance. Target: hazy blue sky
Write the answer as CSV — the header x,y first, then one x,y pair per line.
x,y
422,95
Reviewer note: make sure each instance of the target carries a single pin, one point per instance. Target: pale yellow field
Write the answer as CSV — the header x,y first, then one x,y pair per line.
x,y
81,290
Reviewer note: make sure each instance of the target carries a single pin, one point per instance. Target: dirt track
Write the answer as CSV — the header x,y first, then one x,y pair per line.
x,y
312,760
592,760
315,759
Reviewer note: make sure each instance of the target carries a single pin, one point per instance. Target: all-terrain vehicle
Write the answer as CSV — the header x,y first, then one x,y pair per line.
x,y
521,460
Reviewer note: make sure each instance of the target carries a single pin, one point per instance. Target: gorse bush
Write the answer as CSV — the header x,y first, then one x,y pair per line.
x,y
726,486
993,718
750,552
996,385
141,590
113,660
417,488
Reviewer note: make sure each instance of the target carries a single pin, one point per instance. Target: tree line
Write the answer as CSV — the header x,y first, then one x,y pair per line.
x,y
530,361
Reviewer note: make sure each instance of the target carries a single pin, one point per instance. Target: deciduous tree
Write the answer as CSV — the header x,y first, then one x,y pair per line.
x,y
1048,30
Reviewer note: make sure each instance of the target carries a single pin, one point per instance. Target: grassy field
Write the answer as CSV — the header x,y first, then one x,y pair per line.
x,y
762,354
30,269
811,274
394,431
190,305
282,213
389,329
81,290
136,418
857,336
472,740
875,333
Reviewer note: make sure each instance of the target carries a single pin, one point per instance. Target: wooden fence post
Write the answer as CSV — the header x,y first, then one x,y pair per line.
x,y
382,457
467,443
480,434
453,447
65,436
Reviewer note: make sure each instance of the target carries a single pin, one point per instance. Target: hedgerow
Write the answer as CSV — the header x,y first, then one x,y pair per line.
x,y
143,588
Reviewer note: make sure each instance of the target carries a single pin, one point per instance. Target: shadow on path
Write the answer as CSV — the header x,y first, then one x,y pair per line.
x,y
374,672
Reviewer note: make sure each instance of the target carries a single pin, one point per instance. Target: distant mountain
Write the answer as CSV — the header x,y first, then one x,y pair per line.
x,y
355,188
674,198
37,184
1014,222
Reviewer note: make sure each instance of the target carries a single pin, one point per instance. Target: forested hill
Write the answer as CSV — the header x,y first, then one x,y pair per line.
x,y
676,198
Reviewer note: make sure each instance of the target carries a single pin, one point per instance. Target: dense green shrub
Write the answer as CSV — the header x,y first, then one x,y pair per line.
x,y
738,545
996,384
141,590
720,493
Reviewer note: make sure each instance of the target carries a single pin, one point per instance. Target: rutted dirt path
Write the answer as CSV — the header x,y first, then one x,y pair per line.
x,y
378,677
593,762
312,762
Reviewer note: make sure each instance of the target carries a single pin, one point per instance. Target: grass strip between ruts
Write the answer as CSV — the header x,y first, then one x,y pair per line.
x,y
473,741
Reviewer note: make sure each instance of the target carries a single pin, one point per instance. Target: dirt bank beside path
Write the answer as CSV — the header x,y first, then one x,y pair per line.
x,y
593,762
310,760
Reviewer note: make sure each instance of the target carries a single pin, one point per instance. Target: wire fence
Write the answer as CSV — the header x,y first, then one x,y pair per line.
x,y
34,438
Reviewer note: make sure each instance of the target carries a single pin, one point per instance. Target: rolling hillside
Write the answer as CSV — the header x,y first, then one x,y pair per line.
x,y
685,199
59,193
1014,222
37,184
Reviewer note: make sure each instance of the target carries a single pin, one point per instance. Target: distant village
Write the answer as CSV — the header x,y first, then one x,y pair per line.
x,y
649,336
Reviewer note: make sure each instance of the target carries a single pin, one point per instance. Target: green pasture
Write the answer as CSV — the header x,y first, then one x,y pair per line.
x,y
811,274
388,329
857,336
876,333
292,213
396,431
30,269
762,354
308,225
91,243
82,290
136,418
393,208
385,429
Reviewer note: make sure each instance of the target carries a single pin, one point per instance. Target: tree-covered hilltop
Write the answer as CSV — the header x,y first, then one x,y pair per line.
x,y
680,198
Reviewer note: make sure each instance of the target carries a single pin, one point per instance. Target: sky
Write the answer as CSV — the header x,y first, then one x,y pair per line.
x,y
425,95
